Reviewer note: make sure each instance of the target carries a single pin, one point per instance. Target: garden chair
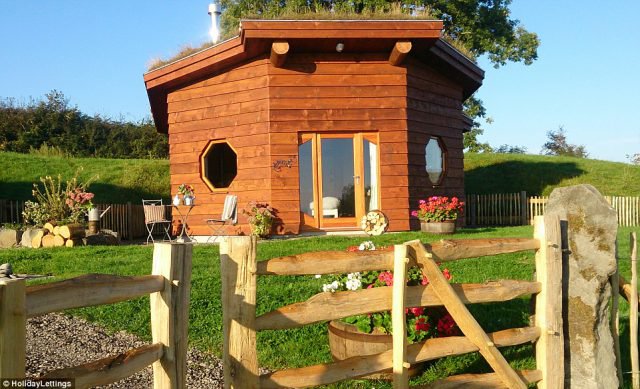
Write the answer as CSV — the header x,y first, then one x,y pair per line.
x,y
155,214
229,216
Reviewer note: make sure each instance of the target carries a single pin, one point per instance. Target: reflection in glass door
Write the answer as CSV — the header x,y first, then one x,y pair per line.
x,y
338,178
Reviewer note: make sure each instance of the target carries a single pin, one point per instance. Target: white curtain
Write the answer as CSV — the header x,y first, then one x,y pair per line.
x,y
373,163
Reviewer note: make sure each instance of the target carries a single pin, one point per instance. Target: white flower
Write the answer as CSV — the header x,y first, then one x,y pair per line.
x,y
353,284
353,276
318,275
367,245
332,287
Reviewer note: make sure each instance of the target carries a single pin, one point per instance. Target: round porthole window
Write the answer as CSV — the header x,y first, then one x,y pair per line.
x,y
434,160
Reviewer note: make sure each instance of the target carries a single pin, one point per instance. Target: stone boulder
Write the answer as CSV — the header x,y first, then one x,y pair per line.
x,y
589,225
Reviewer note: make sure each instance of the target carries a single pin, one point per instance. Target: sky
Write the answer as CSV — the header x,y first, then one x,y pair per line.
x,y
96,53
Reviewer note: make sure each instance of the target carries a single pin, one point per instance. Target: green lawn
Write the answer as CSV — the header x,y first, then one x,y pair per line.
x,y
540,174
307,345
119,180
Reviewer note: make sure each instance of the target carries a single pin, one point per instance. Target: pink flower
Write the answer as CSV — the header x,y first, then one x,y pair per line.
x,y
425,280
446,274
417,311
447,326
422,324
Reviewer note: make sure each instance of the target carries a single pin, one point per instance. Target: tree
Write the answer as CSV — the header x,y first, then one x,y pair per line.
x,y
634,159
509,149
480,27
557,145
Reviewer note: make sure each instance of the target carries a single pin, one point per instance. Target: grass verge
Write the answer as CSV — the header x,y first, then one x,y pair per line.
x,y
307,345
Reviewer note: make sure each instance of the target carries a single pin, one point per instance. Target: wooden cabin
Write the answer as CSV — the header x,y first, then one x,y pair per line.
x,y
323,120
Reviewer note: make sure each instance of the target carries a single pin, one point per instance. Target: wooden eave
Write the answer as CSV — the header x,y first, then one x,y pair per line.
x,y
256,37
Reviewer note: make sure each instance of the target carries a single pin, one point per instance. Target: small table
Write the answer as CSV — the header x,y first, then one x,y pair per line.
x,y
184,235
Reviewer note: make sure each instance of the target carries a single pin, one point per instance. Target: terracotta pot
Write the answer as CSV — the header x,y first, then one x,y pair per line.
x,y
345,341
445,227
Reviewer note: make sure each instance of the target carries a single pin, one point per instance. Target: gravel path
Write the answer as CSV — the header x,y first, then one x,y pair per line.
x,y
56,341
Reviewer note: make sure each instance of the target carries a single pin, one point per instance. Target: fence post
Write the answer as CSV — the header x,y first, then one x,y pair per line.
x,y
129,221
170,313
473,201
398,323
13,322
548,316
238,272
524,206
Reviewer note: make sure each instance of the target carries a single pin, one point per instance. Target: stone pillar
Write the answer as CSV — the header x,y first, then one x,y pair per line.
x,y
589,226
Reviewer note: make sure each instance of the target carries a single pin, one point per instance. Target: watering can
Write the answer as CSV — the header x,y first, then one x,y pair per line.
x,y
95,215
94,219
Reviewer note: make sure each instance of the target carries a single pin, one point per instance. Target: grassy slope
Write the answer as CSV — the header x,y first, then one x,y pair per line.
x,y
538,174
120,180
307,345
130,180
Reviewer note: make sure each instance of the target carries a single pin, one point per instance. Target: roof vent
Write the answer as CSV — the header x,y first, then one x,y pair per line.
x,y
215,9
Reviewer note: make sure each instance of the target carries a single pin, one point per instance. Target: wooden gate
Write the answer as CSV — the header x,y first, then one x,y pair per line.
x,y
240,269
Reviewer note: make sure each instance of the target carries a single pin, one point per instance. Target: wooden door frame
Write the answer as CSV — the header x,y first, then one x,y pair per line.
x,y
343,223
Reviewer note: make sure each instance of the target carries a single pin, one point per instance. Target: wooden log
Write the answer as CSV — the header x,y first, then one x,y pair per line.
x,y
47,240
399,52
170,313
633,313
238,270
49,226
13,323
110,369
355,367
331,306
74,242
624,288
481,381
467,322
36,242
58,241
615,316
548,317
72,231
56,230
279,52
332,262
398,320
89,290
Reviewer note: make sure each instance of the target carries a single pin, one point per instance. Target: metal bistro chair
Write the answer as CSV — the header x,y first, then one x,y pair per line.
x,y
155,213
229,217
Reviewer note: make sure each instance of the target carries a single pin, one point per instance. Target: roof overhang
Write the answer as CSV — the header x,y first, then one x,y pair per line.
x,y
257,36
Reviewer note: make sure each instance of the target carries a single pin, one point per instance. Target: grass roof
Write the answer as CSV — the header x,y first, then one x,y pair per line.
x,y
392,13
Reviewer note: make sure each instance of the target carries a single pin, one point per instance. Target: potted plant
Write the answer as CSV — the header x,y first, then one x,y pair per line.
x,y
370,334
261,217
187,192
438,214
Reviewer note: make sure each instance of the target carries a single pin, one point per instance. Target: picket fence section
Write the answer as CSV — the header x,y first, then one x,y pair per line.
x,y
125,219
514,209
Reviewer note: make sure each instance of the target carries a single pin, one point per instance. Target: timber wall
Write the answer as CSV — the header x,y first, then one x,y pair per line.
x,y
261,110
434,108
334,93
231,106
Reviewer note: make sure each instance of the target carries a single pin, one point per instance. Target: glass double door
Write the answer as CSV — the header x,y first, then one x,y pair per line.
x,y
339,178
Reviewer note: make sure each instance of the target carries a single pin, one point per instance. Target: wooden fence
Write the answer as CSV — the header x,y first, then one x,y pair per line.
x,y
514,209
126,219
168,286
239,271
